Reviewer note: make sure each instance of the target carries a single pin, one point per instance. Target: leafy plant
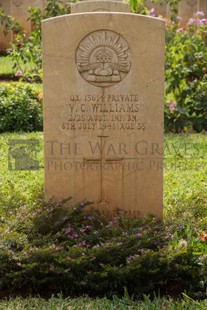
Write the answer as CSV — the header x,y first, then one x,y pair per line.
x,y
186,79
20,108
138,6
83,252
26,47
9,23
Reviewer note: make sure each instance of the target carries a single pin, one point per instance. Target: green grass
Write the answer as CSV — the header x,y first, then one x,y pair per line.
x,y
18,188
185,179
102,304
6,66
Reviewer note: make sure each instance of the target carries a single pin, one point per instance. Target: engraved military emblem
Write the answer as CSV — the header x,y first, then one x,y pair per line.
x,y
103,58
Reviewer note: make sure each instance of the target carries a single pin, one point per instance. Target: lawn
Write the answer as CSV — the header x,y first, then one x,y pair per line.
x,y
103,304
185,179
19,188
6,66
7,69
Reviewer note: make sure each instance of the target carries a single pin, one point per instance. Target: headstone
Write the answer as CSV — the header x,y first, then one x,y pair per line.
x,y
103,79
99,6
160,9
187,9
203,7
19,10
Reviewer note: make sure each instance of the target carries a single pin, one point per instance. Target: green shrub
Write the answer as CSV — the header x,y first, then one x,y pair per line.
x,y
20,107
186,78
78,252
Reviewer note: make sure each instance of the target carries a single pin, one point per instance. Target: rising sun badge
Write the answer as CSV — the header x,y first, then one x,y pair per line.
x,y
103,58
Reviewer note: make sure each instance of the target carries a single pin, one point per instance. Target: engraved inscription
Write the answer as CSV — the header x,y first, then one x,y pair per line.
x,y
103,58
104,112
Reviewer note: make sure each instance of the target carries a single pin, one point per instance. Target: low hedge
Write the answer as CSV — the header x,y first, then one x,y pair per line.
x,y
20,107
57,249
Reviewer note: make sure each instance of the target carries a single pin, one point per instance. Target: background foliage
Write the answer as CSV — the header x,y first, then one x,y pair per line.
x,y
186,77
26,47
20,107
185,69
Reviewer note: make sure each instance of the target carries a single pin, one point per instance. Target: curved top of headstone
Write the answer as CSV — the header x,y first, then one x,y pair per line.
x,y
99,6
